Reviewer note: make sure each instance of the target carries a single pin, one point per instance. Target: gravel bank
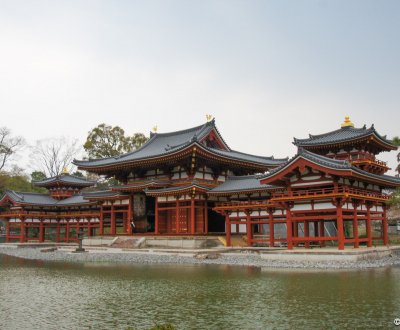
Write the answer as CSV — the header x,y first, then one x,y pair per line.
x,y
234,259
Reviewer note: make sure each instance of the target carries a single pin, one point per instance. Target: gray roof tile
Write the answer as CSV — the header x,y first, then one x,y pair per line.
x,y
64,179
167,143
331,163
44,200
341,135
242,183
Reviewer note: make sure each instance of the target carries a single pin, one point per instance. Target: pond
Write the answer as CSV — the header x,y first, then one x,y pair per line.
x,y
49,295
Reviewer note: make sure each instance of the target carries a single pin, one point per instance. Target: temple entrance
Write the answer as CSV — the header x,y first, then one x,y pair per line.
x,y
150,212
216,221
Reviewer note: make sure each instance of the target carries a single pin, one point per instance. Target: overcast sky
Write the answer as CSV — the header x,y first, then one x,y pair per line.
x,y
267,71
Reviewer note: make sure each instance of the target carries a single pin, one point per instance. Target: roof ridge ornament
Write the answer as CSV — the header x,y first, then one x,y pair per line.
x,y
209,118
347,122
154,129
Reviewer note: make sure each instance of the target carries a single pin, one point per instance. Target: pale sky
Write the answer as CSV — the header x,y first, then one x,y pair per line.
x,y
267,70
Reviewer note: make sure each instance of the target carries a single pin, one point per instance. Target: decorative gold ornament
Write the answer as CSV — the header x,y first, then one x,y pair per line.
x,y
347,122
209,117
155,129
65,170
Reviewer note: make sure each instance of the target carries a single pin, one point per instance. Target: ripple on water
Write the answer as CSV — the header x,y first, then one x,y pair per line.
x,y
39,295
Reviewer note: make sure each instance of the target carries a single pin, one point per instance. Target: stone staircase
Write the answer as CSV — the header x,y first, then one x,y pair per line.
x,y
127,242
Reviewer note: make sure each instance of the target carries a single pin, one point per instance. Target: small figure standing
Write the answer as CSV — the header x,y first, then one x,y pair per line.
x,y
132,227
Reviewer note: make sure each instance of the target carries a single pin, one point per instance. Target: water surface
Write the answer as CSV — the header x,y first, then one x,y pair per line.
x,y
49,295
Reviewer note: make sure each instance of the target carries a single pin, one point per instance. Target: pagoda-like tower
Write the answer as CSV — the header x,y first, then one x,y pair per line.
x,y
333,191
64,185
359,146
57,215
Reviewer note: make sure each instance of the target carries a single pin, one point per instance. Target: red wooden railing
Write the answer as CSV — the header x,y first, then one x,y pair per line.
x,y
328,191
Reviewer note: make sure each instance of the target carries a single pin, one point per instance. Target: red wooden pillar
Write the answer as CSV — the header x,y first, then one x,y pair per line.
x,y
101,221
340,229
368,226
206,217
58,231
22,230
112,230
295,231
385,227
271,228
130,218
67,231
77,227
156,218
228,229
249,229
192,216
8,231
289,228
177,217
41,231
321,232
89,227
307,233
355,226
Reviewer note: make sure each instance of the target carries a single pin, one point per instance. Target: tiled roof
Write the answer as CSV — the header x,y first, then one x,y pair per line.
x,y
242,183
64,179
168,143
182,188
101,194
333,164
251,158
44,200
343,134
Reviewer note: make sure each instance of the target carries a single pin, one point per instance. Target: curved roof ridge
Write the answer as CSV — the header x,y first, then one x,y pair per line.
x,y
348,128
258,156
242,177
21,193
247,154
343,134
184,131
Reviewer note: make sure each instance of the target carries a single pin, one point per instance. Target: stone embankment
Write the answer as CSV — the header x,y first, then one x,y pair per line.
x,y
254,258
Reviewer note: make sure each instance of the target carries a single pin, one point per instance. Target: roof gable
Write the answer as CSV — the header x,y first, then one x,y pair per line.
x,y
327,165
346,134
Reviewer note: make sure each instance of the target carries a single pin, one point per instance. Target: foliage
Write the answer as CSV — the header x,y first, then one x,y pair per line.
x,y
38,176
78,174
106,141
395,198
9,145
18,182
54,155
396,141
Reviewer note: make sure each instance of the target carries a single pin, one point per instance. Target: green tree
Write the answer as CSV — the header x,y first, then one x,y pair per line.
x,y
106,141
396,141
38,176
18,182
395,198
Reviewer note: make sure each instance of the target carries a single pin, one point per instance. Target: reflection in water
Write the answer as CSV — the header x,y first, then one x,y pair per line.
x,y
42,295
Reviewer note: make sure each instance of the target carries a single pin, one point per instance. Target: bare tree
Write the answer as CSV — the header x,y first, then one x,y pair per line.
x,y
52,156
9,145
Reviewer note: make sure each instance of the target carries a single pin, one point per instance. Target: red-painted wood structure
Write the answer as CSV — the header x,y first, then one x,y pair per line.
x,y
191,183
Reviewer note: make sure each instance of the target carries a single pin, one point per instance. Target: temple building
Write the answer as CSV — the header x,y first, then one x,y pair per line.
x,y
190,182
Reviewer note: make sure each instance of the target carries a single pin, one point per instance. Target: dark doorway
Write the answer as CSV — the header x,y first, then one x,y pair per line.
x,y
150,208
216,221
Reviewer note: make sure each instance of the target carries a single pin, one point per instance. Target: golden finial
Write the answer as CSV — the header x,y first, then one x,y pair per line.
x,y
155,129
347,122
65,170
209,117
